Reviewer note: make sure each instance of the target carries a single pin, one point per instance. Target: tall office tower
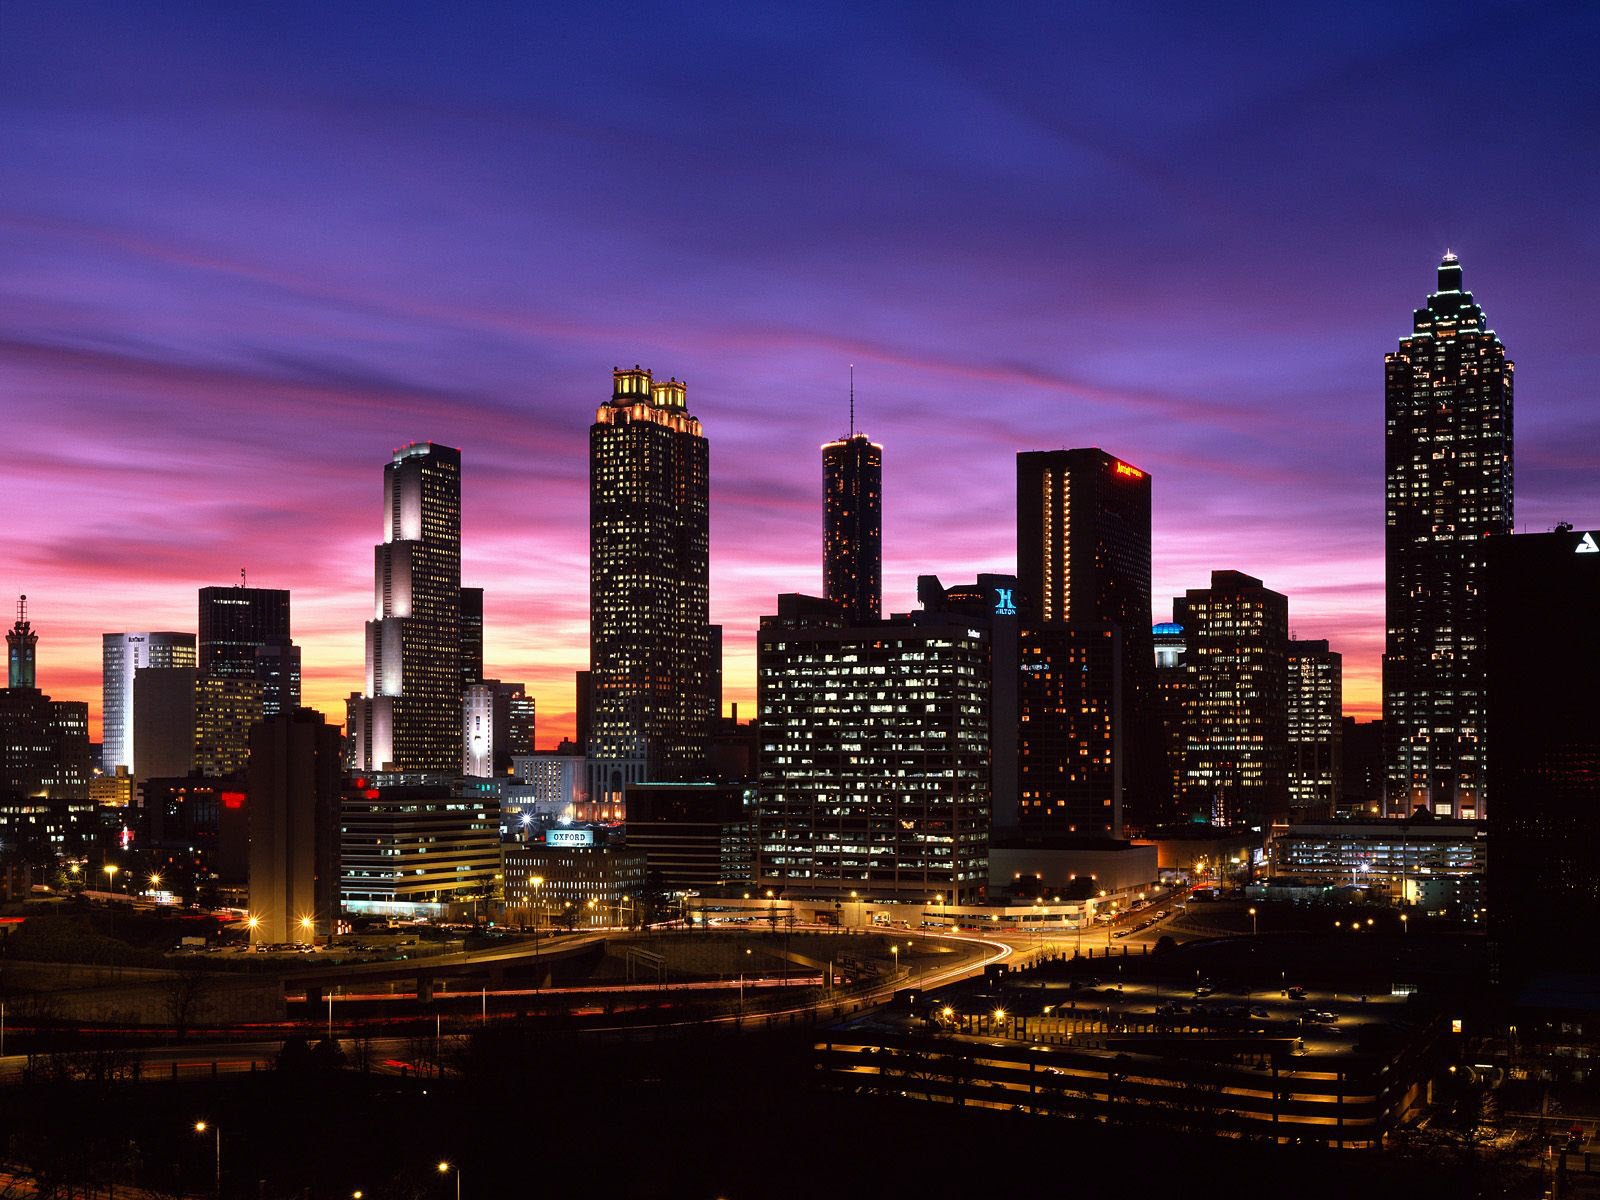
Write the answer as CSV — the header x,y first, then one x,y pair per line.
x,y
225,710
123,655
1236,758
278,673
1361,749
852,524
235,622
21,643
294,798
1172,712
990,603
1448,485
471,636
409,716
1542,591
1083,558
874,761
1316,730
649,587
477,730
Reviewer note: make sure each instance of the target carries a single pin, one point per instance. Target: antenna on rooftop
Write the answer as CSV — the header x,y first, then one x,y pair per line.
x,y
852,399
241,577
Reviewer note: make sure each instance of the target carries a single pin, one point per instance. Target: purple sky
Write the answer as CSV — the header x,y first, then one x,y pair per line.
x,y
247,250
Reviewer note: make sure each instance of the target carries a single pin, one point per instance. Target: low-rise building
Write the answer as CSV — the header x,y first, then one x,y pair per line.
x,y
1435,863
579,875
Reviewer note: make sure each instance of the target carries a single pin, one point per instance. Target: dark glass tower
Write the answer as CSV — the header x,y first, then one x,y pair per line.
x,y
1447,454
1083,561
649,587
244,634
235,622
410,713
852,526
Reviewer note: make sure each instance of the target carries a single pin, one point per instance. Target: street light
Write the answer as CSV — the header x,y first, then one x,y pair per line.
x,y
1403,919
111,870
155,880
1252,921
446,1168
308,927
216,1130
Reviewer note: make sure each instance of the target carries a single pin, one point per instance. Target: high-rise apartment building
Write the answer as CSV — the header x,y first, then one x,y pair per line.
x,y
1448,487
1542,593
852,525
1072,708
123,655
1083,559
409,715
1316,730
1235,767
874,760
649,586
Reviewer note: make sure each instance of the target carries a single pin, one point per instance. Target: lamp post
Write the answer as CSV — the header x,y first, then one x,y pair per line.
x,y
308,927
1403,920
1253,927
216,1131
446,1168
111,870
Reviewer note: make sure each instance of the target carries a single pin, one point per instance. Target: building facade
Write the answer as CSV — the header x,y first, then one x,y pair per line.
x,y
1448,487
1235,762
1072,705
1316,730
578,877
695,836
649,586
1436,864
852,526
1174,705
874,761
123,655
408,718
416,843
296,769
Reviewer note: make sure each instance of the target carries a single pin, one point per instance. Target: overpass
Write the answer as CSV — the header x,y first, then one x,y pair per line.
x,y
491,964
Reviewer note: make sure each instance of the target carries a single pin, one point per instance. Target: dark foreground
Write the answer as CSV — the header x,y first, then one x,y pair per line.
x,y
707,1117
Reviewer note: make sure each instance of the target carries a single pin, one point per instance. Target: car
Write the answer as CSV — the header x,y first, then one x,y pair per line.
x,y
1203,989
1260,1013
1122,933
1297,993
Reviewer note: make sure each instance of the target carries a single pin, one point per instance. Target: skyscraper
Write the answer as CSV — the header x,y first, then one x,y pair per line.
x,y
1448,486
122,656
1542,591
236,622
649,586
1235,763
21,642
852,524
1316,730
410,713
1083,559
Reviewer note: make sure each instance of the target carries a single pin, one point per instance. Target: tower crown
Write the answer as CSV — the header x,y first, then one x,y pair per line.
x,y
630,385
1449,273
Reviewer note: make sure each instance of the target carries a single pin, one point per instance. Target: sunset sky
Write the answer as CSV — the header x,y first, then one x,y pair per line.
x,y
246,250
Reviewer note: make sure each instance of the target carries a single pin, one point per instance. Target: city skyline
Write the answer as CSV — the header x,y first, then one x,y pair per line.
x,y
216,397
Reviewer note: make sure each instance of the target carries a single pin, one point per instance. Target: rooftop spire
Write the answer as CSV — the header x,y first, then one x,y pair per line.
x,y
852,399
